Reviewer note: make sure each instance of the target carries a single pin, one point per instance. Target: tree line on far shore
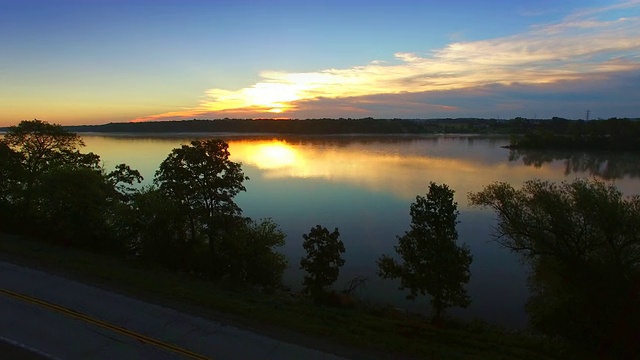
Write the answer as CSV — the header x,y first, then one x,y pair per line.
x,y
581,239
555,133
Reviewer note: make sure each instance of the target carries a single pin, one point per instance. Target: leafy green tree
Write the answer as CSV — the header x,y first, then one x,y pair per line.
x,y
432,261
203,178
582,240
323,260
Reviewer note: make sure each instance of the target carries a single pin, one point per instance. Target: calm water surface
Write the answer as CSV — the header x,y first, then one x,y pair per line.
x,y
364,186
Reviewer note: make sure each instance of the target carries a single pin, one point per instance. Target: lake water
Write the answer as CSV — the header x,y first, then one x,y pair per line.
x,y
364,185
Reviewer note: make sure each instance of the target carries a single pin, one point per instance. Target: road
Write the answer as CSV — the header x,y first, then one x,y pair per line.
x,y
63,319
14,351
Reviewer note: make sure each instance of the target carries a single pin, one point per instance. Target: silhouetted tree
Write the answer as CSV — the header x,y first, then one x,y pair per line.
x,y
10,166
202,177
122,181
248,254
42,147
323,260
582,240
58,192
10,182
159,233
432,261
73,207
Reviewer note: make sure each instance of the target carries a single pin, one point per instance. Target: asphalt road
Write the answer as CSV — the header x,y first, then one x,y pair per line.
x,y
15,351
62,319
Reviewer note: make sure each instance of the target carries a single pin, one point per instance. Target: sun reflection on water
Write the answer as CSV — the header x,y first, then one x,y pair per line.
x,y
402,169
274,154
404,175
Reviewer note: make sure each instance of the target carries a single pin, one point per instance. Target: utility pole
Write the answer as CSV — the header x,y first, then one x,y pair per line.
x,y
588,112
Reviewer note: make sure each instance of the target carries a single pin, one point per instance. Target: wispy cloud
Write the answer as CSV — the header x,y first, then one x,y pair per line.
x,y
621,5
588,43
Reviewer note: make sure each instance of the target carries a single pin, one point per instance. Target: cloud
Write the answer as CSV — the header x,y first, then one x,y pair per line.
x,y
605,96
622,5
589,44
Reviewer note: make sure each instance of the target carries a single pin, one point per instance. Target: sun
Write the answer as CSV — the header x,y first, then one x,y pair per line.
x,y
274,96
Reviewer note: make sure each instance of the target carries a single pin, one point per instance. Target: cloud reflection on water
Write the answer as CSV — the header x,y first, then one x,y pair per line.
x,y
380,166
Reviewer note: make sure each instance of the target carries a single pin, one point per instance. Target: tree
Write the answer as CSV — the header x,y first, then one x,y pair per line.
x,y
10,166
53,189
201,177
432,261
582,240
72,207
43,147
248,253
121,180
159,233
10,174
323,260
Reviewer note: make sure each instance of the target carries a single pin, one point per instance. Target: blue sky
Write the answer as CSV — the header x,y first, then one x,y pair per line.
x,y
81,62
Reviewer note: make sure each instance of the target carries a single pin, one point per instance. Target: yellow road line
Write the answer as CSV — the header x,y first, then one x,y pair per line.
x,y
105,325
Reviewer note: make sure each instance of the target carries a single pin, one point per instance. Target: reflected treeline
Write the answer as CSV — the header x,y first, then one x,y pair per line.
x,y
303,139
605,165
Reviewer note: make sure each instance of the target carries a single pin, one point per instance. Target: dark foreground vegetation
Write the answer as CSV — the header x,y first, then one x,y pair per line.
x,y
184,239
582,240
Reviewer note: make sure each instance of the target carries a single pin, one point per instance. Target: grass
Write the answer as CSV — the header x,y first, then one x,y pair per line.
x,y
359,332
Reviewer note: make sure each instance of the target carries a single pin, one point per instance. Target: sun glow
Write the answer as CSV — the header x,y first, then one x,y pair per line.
x,y
273,154
275,97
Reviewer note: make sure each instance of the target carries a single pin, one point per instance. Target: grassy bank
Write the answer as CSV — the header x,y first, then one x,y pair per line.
x,y
357,332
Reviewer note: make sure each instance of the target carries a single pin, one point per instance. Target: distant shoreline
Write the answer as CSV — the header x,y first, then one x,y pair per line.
x,y
352,127
527,134
281,135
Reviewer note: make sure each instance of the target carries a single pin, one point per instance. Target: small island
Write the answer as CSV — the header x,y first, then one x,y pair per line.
x,y
561,134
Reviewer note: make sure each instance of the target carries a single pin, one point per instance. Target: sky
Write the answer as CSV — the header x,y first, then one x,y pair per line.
x,y
100,61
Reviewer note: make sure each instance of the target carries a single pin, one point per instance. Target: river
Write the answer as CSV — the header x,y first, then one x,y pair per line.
x,y
363,185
